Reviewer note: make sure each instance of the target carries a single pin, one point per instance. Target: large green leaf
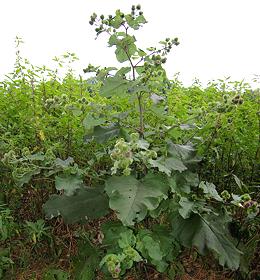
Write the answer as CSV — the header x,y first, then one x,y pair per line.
x,y
112,231
186,153
101,134
209,190
64,163
117,20
86,262
25,178
156,246
114,86
186,207
182,182
124,70
206,234
167,165
178,159
132,198
125,48
164,205
180,151
135,23
68,183
90,122
85,205
56,274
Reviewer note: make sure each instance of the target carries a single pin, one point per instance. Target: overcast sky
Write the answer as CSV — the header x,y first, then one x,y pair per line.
x,y
219,38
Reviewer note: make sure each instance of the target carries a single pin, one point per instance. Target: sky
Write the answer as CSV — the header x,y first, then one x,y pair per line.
x,y
218,38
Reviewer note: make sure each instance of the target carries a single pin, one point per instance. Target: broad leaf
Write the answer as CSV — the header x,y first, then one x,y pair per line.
x,y
112,231
21,179
175,164
156,98
89,122
186,207
85,205
205,234
180,156
156,245
117,21
186,153
132,198
143,144
164,205
103,73
126,239
68,183
167,165
182,182
160,164
64,163
210,190
56,274
125,48
86,262
113,40
123,71
141,19
101,134
135,23
74,110
180,151
114,86
36,157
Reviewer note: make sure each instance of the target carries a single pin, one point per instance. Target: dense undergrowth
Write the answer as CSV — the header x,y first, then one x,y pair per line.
x,y
118,172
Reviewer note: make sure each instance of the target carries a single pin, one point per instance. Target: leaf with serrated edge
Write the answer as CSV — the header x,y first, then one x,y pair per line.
x,y
89,122
85,205
186,207
101,134
210,190
132,198
167,165
182,182
68,183
155,245
114,86
205,235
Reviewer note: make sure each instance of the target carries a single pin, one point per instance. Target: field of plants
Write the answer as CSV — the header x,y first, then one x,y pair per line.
x,y
123,173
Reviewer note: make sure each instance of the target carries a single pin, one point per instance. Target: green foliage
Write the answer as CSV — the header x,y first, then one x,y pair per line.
x,y
68,183
227,139
116,86
125,255
56,274
5,261
174,166
132,198
7,224
102,134
37,230
84,205
86,262
209,190
182,183
158,246
178,159
207,233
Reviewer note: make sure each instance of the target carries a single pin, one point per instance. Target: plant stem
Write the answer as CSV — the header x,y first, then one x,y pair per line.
x,y
139,99
34,112
141,115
